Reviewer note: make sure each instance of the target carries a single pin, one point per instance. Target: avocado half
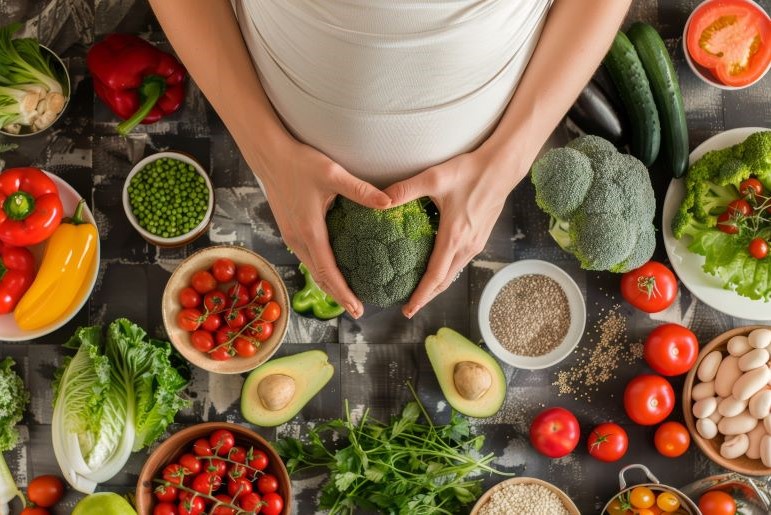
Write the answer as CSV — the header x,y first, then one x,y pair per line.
x,y
276,391
471,380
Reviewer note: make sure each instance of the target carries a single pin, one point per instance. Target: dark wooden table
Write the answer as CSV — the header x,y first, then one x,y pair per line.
x,y
375,355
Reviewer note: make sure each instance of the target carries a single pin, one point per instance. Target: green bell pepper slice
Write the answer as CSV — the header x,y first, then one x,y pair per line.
x,y
313,299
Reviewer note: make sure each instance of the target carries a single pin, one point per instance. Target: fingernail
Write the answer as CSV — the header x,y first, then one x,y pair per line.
x,y
352,310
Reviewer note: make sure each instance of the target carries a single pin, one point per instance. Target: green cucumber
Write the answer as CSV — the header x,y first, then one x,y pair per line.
x,y
628,75
666,93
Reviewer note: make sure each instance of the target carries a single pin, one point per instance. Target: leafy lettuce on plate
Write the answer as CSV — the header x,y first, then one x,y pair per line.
x,y
712,183
117,394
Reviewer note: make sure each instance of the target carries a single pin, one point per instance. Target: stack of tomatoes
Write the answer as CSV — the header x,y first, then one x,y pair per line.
x,y
218,477
228,309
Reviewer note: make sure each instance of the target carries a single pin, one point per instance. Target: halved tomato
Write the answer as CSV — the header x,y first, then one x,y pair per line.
x,y
732,38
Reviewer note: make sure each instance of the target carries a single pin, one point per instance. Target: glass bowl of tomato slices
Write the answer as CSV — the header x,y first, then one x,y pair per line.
x,y
727,43
226,309
215,467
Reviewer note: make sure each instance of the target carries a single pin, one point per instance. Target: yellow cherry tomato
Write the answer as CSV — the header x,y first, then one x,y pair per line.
x,y
668,502
615,507
644,511
642,497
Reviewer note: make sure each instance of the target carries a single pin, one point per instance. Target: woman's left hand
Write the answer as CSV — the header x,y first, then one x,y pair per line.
x,y
469,190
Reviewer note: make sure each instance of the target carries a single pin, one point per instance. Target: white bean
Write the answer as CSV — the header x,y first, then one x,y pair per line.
x,y
765,450
760,338
753,452
735,446
706,407
742,423
709,366
753,359
703,390
706,428
716,416
727,374
767,424
751,382
738,345
730,407
760,404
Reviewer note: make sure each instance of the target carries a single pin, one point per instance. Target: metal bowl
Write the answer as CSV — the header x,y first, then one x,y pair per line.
x,y
752,497
687,505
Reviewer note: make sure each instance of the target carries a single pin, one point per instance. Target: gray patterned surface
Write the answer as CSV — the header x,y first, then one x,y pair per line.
x,y
375,355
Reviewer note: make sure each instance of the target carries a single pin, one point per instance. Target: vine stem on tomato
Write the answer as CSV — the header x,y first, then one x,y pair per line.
x,y
229,342
256,472
209,497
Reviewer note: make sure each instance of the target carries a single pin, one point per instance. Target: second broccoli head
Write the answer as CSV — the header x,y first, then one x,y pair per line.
x,y
600,201
381,253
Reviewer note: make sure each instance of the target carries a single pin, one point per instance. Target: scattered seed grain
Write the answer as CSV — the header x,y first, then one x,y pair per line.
x,y
523,499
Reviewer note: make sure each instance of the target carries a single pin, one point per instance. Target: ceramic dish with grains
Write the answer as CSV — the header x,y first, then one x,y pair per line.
x,y
169,199
186,447
531,314
727,400
183,338
524,496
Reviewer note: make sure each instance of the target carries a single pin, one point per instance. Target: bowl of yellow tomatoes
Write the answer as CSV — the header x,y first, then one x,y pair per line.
x,y
649,497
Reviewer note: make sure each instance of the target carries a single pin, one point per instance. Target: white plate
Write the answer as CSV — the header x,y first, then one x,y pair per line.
x,y
9,330
575,301
687,265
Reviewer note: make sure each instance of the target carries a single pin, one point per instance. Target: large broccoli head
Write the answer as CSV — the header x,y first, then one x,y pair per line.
x,y
381,253
600,201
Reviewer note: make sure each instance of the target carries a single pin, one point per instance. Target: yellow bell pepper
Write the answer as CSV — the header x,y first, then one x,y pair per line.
x,y
60,282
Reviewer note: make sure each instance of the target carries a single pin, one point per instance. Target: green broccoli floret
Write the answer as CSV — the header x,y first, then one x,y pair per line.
x,y
381,253
756,152
711,200
600,201
14,398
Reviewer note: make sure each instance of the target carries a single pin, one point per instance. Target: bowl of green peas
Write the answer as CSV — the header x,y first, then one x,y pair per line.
x,y
169,199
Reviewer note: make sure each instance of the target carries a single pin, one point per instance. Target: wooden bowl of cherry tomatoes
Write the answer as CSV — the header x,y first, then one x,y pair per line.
x,y
225,309
216,467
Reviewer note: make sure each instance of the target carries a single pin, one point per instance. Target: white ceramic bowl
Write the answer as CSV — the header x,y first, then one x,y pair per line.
x,y
575,302
705,74
183,239
9,330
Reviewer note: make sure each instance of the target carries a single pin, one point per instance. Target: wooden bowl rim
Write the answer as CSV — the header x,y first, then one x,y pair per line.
x,y
738,464
144,497
570,506
236,364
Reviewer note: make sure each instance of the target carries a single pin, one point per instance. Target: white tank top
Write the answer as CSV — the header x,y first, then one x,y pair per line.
x,y
387,88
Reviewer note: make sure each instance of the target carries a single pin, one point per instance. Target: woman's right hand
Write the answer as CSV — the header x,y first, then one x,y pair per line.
x,y
301,183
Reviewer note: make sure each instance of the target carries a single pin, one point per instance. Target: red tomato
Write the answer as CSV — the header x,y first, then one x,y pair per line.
x,y
235,319
247,274
189,319
739,206
202,340
237,454
30,510
648,399
191,463
174,473
203,282
224,270
165,508
717,502
189,298
206,483
223,510
238,294
732,38
555,432
237,470
650,288
219,467
261,330
222,441
223,353
244,347
215,301
212,322
201,447
267,483
727,223
671,349
751,187
45,491
758,248
239,487
166,493
274,503
193,506
251,502
608,442
672,439
261,291
271,311
257,459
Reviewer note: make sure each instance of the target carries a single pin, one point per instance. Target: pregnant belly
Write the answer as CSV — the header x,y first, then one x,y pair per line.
x,y
387,106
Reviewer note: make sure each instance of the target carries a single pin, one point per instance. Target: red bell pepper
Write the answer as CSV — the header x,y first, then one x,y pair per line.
x,y
137,81
31,207
17,271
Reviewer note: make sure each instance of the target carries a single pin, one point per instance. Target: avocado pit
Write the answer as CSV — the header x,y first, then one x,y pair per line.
x,y
471,379
276,391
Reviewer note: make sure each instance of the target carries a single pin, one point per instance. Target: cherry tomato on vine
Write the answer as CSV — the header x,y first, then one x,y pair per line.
x,y
223,353
250,502
650,288
261,291
166,493
202,340
215,301
271,311
237,454
238,295
751,186
239,487
758,248
235,319
237,470
261,330
203,282
216,466
671,349
174,473
166,508
222,441
189,298
189,319
244,347
739,206
717,502
212,322
223,510
672,439
224,270
257,459
274,503
267,484
247,274
191,463
194,506
608,442
201,447
727,223
45,491
206,483
648,399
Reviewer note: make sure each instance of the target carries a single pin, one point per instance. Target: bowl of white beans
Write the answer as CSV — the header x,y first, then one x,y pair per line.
x,y
727,400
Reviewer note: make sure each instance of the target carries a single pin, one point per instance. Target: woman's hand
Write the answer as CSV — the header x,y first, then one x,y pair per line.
x,y
302,185
469,190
